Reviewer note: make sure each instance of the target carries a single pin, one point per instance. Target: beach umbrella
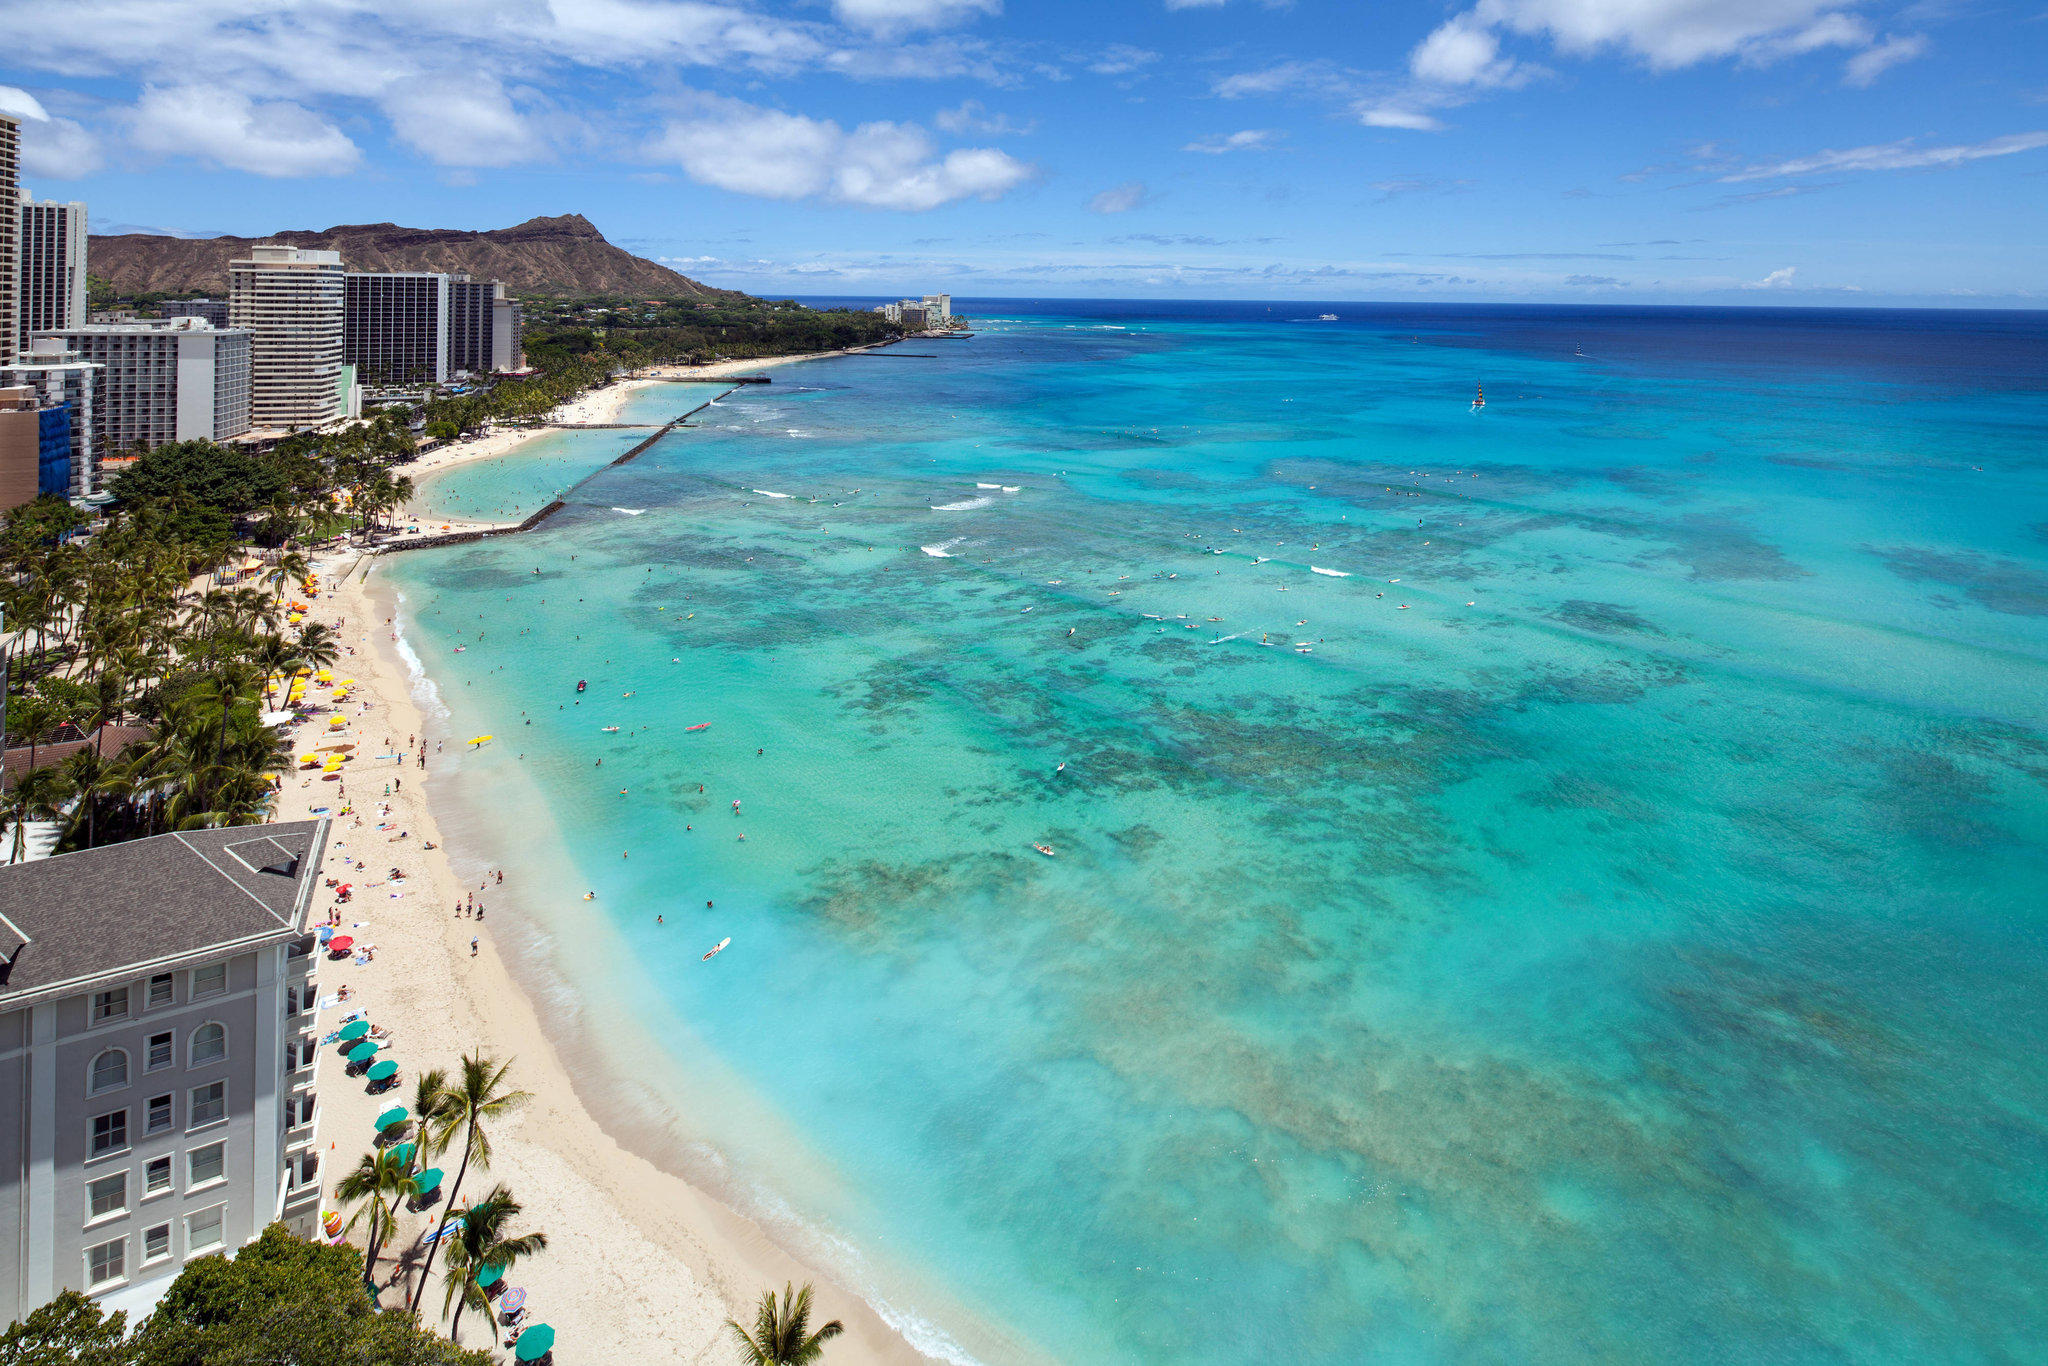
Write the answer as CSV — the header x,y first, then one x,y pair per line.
x,y
535,1342
404,1151
513,1300
341,943
383,1070
429,1179
351,1032
490,1276
362,1050
397,1114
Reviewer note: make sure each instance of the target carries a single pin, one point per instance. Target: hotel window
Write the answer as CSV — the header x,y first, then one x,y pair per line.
x,y
205,1164
109,1005
108,1195
163,1051
202,1231
159,1115
156,1244
209,1105
209,1044
160,987
109,1132
304,1170
109,1070
209,981
156,1177
298,1110
107,1262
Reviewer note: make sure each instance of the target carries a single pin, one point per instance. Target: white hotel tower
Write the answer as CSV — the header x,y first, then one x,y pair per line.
x,y
292,302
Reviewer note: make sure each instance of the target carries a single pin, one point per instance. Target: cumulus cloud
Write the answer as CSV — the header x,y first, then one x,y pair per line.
x,y
227,128
1670,33
1890,156
898,16
1244,140
1865,67
1461,52
751,150
51,147
1777,279
461,121
1132,194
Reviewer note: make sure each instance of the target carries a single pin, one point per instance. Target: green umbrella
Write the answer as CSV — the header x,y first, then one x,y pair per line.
x,y
535,1342
361,1052
489,1276
351,1032
403,1152
386,1068
428,1179
397,1114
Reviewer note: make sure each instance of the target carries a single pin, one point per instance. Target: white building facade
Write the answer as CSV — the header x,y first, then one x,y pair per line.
x,y
50,288
171,379
292,302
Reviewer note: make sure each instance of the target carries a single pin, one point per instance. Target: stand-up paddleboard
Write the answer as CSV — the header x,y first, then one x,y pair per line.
x,y
1045,849
716,949
701,725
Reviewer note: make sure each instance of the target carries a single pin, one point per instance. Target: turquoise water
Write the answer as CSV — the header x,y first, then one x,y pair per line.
x,y
1606,925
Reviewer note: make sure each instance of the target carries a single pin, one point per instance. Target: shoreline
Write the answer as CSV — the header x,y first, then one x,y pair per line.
x,y
642,1260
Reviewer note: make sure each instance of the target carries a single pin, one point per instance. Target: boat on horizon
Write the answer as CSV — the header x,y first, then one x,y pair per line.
x,y
1327,318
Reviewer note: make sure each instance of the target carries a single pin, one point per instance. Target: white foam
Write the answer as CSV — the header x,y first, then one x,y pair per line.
x,y
1333,573
1013,488
630,512
943,550
769,493
1220,639
423,689
988,486
796,432
964,505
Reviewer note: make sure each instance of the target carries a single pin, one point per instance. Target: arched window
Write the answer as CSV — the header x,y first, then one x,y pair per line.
x,y
209,1044
109,1070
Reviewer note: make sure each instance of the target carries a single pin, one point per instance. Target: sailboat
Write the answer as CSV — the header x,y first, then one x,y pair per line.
x,y
1479,400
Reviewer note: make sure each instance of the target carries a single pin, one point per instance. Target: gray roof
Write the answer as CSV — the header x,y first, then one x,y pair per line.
x,y
123,907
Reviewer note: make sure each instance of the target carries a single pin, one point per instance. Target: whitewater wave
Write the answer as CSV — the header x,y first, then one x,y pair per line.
x,y
1333,573
964,505
770,493
423,690
630,512
988,486
943,550
1220,639
793,431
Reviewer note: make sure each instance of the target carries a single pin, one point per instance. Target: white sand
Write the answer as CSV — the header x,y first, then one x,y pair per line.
x,y
642,1266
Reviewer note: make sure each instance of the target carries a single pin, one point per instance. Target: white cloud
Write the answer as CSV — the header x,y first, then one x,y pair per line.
x,y
1395,116
1777,279
1132,194
750,150
899,16
461,121
1245,140
51,147
18,102
1461,52
1668,33
1866,67
970,116
275,138
1274,79
1890,156
1195,4
1121,59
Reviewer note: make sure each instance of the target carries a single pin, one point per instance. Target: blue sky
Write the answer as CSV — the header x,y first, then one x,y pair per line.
x,y
1723,151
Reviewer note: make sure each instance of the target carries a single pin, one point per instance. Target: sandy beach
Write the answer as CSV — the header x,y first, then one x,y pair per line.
x,y
641,1265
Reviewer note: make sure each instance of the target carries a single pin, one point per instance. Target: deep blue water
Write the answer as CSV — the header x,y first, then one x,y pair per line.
x,y
1554,883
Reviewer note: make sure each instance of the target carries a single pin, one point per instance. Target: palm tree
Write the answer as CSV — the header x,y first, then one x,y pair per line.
x,y
36,795
478,1094
290,566
428,1099
781,1335
482,1241
91,778
380,1174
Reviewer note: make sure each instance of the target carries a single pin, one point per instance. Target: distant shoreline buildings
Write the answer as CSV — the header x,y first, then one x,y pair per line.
x,y
289,348
932,310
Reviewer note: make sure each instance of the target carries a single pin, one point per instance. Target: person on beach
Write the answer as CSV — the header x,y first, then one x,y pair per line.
x,y
472,946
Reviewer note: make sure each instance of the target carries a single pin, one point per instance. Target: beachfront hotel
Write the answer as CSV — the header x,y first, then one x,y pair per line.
x,y
161,380
157,1058
292,302
10,231
409,327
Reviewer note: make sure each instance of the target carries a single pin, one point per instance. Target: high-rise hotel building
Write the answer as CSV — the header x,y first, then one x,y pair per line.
x,y
10,229
165,380
52,276
293,303
396,331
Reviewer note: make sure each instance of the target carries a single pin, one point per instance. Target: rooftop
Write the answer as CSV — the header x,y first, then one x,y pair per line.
x,y
69,919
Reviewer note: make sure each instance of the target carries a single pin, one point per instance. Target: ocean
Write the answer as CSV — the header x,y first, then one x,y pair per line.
x,y
1560,881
